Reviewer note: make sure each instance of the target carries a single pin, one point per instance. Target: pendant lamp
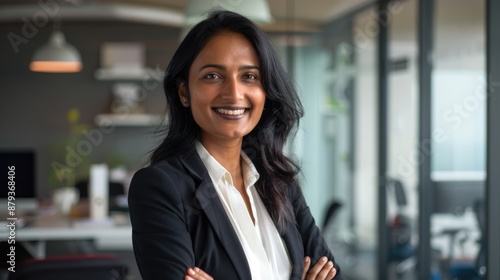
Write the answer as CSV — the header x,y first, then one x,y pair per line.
x,y
197,10
256,10
56,56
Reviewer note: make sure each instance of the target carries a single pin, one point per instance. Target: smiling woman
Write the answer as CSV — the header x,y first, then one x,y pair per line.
x,y
220,199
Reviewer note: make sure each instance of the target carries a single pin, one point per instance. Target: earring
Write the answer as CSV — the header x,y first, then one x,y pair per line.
x,y
185,103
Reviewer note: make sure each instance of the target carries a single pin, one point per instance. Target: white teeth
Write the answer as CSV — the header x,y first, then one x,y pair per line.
x,y
230,112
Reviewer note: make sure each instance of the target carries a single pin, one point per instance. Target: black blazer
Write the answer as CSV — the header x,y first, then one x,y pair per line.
x,y
178,222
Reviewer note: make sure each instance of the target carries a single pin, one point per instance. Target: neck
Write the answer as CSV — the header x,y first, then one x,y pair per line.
x,y
227,153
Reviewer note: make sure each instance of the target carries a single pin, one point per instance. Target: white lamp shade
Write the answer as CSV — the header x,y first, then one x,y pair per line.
x,y
255,10
56,56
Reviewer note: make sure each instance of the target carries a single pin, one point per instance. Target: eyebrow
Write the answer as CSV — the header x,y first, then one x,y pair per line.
x,y
221,67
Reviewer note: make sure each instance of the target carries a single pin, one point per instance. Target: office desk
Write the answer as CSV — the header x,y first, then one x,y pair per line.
x,y
466,224
106,236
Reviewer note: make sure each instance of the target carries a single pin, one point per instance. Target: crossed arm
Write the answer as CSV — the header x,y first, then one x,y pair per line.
x,y
322,270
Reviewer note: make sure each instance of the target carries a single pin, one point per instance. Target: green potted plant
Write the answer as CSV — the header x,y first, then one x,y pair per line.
x,y
68,165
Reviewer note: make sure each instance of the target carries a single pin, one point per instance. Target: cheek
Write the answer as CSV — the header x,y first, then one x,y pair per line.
x,y
200,100
199,115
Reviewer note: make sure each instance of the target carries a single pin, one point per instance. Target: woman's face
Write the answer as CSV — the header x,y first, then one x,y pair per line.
x,y
225,91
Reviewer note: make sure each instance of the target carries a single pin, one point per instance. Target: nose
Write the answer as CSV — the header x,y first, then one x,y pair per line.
x,y
232,90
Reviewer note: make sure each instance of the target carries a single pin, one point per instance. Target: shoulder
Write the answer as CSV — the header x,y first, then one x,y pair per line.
x,y
166,166
295,193
163,170
165,177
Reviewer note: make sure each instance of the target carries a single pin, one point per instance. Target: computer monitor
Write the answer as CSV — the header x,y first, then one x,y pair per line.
x,y
23,164
453,194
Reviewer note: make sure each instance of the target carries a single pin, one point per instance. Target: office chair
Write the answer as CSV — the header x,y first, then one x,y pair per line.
x,y
401,251
477,269
74,267
331,212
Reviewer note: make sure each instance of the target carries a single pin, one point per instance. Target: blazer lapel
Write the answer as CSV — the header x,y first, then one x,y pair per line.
x,y
293,244
211,205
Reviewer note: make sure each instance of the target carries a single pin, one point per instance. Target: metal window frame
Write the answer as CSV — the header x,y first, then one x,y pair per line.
x,y
425,205
492,140
382,53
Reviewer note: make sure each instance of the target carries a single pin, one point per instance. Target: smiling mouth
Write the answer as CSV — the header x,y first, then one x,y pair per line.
x,y
230,112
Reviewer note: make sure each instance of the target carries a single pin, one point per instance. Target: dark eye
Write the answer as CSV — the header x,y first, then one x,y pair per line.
x,y
211,76
250,76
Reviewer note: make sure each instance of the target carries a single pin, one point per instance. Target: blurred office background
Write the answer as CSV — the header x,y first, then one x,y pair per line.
x,y
397,146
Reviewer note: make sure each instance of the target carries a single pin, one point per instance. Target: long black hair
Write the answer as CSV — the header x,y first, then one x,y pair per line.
x,y
265,143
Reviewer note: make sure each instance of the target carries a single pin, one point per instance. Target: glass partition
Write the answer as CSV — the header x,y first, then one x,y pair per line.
x,y
402,136
335,70
335,67
459,155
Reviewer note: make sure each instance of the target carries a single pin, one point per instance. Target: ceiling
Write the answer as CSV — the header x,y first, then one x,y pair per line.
x,y
306,14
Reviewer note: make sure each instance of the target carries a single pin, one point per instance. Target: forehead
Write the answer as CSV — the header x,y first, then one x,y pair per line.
x,y
227,46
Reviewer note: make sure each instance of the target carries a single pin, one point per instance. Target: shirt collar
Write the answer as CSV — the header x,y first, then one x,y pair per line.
x,y
217,171
250,174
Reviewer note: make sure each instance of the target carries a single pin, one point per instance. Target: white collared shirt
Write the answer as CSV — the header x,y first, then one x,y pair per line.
x,y
265,251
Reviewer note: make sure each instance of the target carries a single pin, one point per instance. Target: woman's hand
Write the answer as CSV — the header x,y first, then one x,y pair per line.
x,y
197,274
322,270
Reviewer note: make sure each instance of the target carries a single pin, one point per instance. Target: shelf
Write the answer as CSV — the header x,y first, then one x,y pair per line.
x,y
121,74
128,120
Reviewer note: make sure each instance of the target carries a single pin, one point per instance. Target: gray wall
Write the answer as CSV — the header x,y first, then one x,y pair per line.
x,y
33,106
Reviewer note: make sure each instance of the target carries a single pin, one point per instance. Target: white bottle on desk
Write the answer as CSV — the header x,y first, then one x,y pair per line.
x,y
99,192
